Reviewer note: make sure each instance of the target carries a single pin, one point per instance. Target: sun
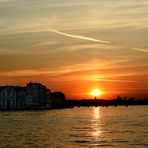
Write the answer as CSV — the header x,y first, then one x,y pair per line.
x,y
96,92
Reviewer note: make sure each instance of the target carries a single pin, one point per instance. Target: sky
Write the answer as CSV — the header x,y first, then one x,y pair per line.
x,y
76,46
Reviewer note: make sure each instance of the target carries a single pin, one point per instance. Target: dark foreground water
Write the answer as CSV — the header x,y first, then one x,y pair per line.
x,y
117,127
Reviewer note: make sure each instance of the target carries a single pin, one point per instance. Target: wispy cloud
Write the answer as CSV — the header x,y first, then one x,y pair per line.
x,y
89,67
44,44
68,75
79,37
114,80
78,47
140,49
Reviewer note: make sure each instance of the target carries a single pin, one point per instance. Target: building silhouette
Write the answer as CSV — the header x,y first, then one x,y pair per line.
x,y
32,96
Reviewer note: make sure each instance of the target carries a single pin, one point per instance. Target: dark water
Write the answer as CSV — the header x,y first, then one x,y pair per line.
x,y
118,127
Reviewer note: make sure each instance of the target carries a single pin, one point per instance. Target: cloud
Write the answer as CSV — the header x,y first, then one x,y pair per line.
x,y
92,71
114,80
79,37
113,77
44,44
67,75
89,66
90,46
140,49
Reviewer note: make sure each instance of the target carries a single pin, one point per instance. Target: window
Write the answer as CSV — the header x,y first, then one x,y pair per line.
x,y
13,102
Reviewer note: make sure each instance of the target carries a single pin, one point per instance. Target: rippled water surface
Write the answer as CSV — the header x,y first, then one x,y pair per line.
x,y
121,127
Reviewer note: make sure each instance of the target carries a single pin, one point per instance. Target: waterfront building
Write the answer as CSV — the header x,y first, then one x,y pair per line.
x,y
36,93
33,95
21,94
7,97
58,99
48,99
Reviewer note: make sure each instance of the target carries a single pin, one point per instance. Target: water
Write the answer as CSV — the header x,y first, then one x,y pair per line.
x,y
117,127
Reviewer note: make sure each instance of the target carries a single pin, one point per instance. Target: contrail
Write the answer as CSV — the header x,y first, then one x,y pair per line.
x,y
79,37
141,50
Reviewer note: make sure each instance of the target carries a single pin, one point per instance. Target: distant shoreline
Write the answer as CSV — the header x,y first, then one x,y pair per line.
x,y
48,109
101,102
35,109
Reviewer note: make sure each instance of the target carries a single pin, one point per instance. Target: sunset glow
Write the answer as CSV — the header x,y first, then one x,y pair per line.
x,y
96,92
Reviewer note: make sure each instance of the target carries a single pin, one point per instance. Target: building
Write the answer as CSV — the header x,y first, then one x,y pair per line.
x,y
48,99
58,99
12,97
21,97
36,94
7,97
33,95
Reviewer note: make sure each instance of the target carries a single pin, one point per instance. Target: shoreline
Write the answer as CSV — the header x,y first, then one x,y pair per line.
x,y
59,108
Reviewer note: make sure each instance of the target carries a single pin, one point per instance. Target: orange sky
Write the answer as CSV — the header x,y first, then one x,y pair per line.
x,y
76,46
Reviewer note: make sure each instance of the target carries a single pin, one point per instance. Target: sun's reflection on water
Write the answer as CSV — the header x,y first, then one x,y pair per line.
x,y
96,123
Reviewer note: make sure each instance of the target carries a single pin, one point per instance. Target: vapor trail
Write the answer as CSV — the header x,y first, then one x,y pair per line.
x,y
141,50
79,37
